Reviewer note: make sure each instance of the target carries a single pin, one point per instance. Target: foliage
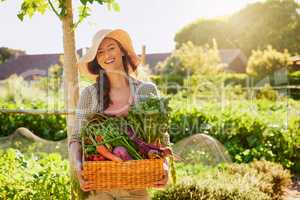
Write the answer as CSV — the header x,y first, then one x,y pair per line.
x,y
265,62
235,79
46,176
53,82
187,61
248,131
276,177
259,24
19,94
16,89
168,84
174,83
38,176
267,92
257,180
150,118
30,7
109,131
50,127
294,79
43,93
211,190
191,59
6,53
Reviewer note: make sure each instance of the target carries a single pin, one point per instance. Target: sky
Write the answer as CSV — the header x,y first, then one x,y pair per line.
x,y
153,23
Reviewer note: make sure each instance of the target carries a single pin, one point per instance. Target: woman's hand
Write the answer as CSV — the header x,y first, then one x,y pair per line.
x,y
84,185
163,182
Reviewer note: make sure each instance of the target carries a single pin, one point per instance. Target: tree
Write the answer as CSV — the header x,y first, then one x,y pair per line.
x,y
204,31
6,53
272,22
192,59
63,10
188,60
265,62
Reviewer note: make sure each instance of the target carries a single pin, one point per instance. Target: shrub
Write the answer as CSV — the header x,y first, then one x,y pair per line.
x,y
276,178
209,191
265,62
187,61
33,177
257,180
236,79
51,127
190,59
247,135
267,92
294,79
168,84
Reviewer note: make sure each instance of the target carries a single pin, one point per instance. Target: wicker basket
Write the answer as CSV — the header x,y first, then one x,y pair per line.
x,y
133,174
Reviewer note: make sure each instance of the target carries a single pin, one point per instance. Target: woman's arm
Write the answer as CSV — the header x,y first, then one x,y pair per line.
x,y
83,109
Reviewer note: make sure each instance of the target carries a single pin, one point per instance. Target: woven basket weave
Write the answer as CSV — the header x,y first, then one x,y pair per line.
x,y
133,174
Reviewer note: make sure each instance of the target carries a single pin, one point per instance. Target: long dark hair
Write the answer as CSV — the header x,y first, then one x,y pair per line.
x,y
103,85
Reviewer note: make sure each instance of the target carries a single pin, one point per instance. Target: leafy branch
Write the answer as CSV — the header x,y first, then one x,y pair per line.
x,y
30,7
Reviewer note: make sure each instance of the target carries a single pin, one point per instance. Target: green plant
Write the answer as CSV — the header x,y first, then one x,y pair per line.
x,y
38,176
51,127
187,61
248,130
276,178
256,180
265,62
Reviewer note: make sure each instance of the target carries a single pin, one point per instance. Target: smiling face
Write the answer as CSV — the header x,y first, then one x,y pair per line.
x,y
109,55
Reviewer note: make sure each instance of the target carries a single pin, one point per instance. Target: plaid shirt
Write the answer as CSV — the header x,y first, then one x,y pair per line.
x,y
88,104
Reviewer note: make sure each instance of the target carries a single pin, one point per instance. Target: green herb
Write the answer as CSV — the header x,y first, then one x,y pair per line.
x,y
150,118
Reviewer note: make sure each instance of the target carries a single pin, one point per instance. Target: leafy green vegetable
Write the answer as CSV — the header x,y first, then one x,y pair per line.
x,y
150,118
112,132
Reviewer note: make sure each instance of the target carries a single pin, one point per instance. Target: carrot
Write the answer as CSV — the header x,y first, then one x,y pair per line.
x,y
107,154
99,138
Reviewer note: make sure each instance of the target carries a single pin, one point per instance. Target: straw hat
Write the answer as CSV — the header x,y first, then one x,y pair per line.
x,y
119,35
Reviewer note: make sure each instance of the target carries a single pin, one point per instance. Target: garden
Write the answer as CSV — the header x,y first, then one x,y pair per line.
x,y
257,128
236,136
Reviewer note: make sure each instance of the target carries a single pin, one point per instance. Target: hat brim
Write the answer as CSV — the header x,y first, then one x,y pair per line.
x,y
119,35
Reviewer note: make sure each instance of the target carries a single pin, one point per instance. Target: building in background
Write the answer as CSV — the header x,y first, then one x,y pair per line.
x,y
31,66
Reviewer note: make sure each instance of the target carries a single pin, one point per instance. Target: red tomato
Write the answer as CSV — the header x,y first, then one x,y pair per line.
x,y
99,158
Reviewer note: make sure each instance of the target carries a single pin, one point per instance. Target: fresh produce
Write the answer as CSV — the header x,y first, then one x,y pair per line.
x,y
148,150
150,118
102,150
122,153
104,133
137,136
152,151
95,158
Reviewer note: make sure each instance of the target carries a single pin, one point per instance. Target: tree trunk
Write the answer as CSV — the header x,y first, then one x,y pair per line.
x,y
70,80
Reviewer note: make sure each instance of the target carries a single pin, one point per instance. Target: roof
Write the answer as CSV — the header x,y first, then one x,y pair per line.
x,y
227,56
153,59
28,64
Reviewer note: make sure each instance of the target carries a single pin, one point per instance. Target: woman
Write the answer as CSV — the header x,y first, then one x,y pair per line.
x,y
111,62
